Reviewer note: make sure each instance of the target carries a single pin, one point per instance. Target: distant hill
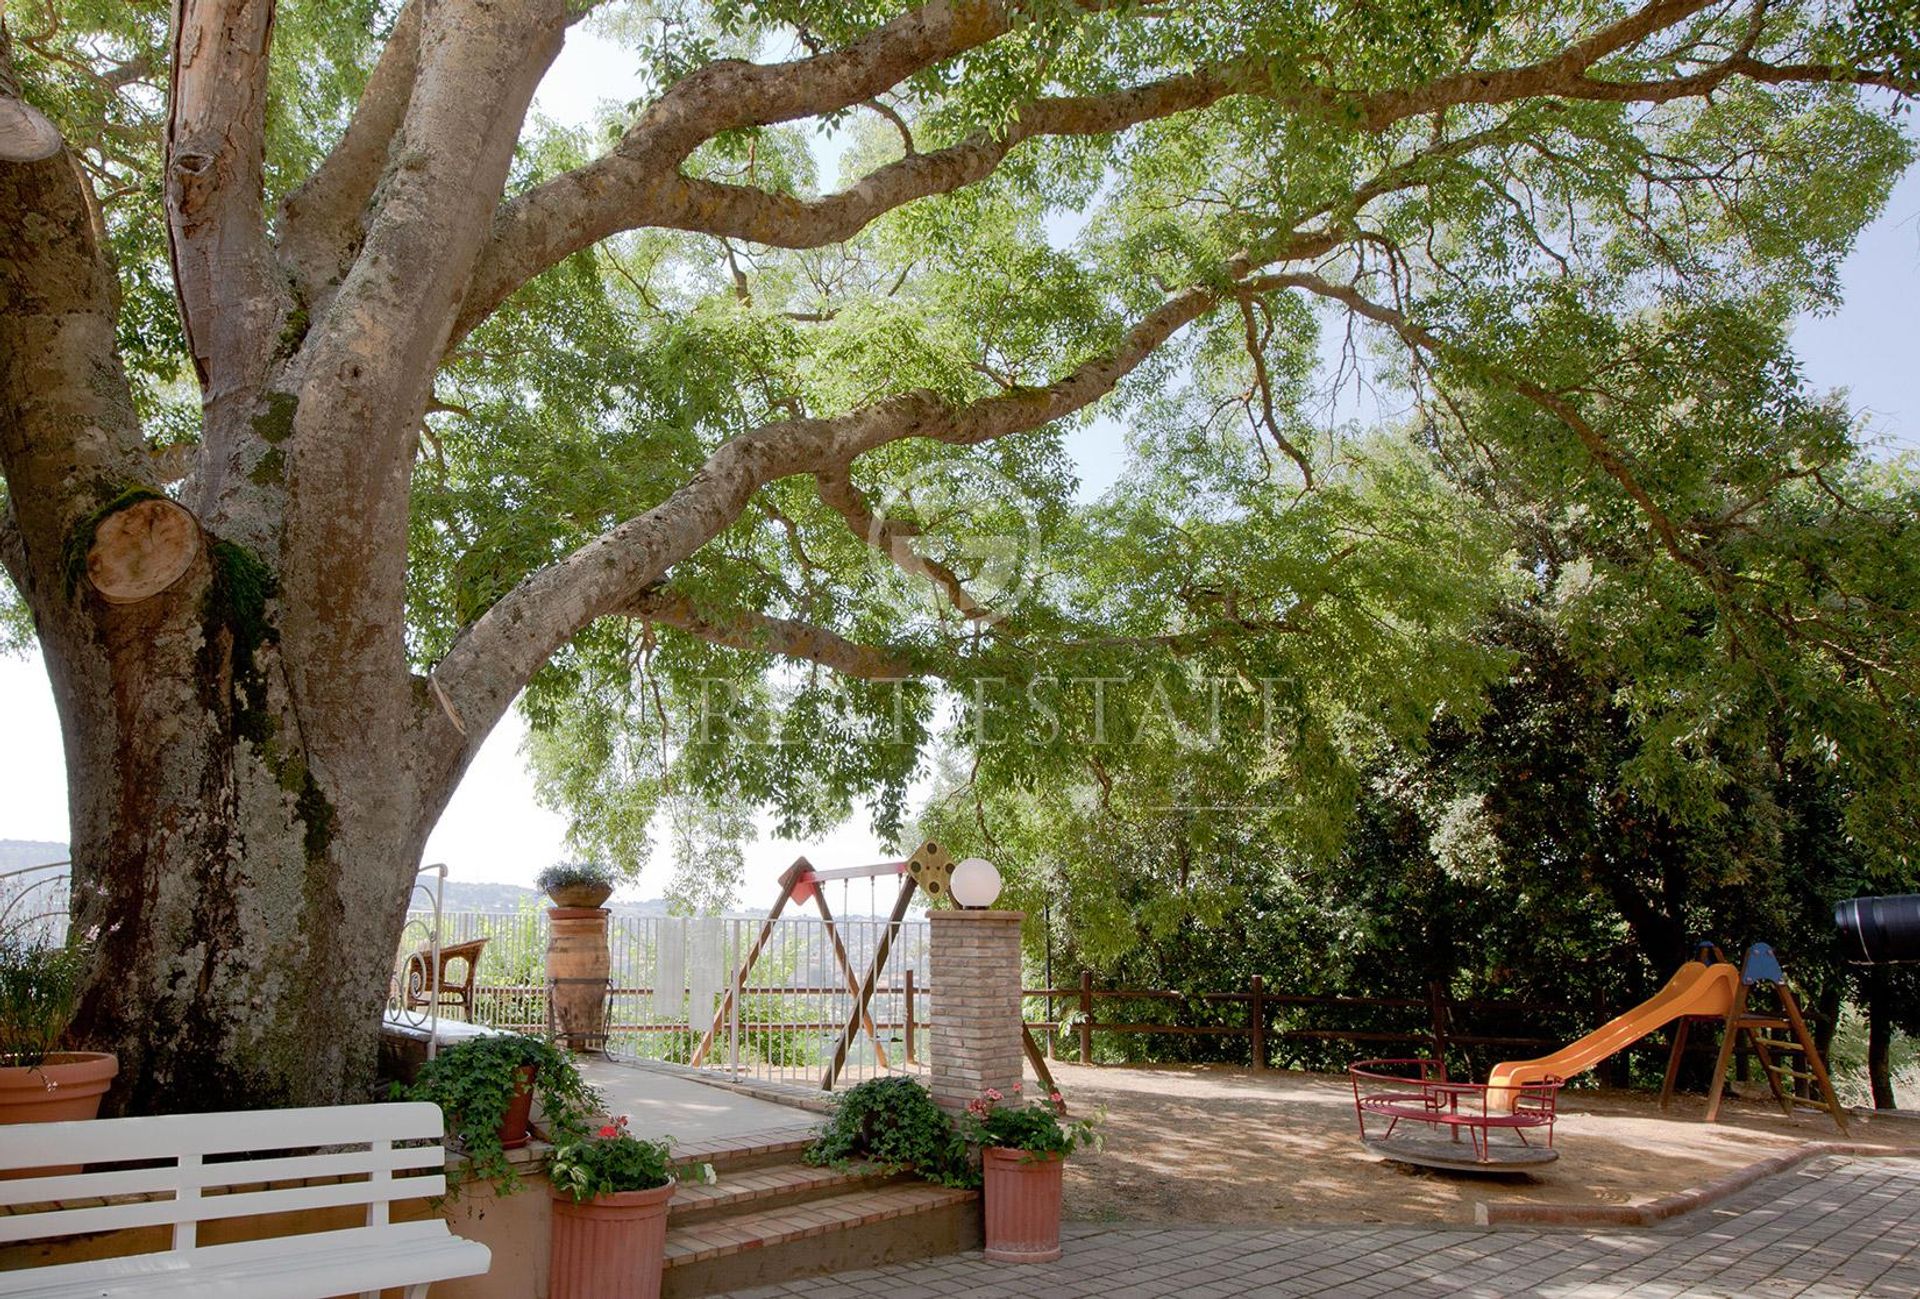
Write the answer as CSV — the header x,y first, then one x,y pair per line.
x,y
18,853
476,895
461,895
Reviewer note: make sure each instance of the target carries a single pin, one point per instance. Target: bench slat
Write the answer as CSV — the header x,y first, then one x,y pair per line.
x,y
149,1213
168,1136
171,1176
289,1267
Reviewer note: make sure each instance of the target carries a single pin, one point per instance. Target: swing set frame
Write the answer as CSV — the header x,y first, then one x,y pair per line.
x,y
930,870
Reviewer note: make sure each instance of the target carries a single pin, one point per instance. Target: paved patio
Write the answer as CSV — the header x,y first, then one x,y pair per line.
x,y
1832,1228
697,1115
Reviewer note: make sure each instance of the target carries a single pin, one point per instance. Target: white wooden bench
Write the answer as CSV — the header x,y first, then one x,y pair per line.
x,y
182,1170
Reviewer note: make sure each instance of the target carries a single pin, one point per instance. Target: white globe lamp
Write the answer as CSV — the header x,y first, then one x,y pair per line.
x,y
975,883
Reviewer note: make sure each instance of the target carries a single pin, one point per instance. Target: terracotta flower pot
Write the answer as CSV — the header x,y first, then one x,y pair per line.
x,y
1023,1204
610,1247
580,895
68,1085
514,1128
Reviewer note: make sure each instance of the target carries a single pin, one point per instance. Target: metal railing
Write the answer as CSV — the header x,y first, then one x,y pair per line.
x,y
413,993
35,903
672,980
671,977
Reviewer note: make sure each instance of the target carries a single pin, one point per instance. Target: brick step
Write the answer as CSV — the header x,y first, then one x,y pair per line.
x,y
738,1154
774,1186
864,1227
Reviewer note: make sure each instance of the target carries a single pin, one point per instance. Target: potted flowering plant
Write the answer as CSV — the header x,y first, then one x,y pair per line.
x,y
610,1195
1023,1149
39,989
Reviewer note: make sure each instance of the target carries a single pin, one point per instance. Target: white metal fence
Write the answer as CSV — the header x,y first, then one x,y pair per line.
x,y
34,903
671,977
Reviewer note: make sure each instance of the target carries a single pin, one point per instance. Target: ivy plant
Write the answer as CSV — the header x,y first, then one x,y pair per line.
x,y
893,1123
475,1082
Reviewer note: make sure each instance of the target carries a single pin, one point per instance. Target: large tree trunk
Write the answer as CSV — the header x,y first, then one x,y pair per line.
x,y
242,733
247,901
246,881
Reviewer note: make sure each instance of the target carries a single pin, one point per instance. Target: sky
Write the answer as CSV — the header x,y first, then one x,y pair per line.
x,y
494,831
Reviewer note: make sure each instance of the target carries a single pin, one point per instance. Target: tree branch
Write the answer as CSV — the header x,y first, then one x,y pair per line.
x,y
639,183
1603,452
892,538
67,420
363,375
538,229
321,222
215,166
1256,351
785,221
494,657
746,629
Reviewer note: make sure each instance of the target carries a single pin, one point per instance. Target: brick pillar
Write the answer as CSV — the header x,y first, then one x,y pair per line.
x,y
974,962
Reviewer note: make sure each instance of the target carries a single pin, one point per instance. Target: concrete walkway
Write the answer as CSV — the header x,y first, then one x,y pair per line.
x,y
1834,1228
697,1116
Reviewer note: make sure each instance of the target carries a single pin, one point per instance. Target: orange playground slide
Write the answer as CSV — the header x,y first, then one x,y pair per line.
x,y
1697,989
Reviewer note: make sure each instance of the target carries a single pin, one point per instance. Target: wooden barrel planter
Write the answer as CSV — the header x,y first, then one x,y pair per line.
x,y
578,965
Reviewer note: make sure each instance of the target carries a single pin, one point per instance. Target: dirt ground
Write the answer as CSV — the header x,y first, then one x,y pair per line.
x,y
1216,1144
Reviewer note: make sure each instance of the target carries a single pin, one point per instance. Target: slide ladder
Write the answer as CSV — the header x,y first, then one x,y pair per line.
x,y
1779,1041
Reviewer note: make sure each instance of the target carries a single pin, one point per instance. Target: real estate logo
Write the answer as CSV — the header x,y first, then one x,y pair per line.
x,y
960,536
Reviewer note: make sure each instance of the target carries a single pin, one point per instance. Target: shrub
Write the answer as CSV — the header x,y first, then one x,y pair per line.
x,y
474,1083
893,1122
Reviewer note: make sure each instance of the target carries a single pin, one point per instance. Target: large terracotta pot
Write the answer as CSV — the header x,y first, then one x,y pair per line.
x,y
515,1127
610,1247
578,965
1023,1204
68,1085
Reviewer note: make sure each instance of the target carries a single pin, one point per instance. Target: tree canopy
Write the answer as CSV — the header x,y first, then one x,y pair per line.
x,y
747,463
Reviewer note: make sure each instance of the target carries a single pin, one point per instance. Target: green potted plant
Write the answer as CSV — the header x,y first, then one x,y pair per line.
x,y
486,1086
610,1197
577,883
1023,1150
893,1125
39,990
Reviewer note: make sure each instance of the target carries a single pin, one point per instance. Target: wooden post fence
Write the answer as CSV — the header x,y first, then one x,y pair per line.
x,y
1257,1021
1437,1003
1086,1017
909,1016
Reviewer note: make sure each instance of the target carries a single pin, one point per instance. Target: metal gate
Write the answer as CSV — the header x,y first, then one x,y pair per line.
x,y
672,977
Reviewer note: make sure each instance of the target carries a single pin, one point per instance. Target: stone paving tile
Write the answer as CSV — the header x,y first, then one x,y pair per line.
x,y
1831,1229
